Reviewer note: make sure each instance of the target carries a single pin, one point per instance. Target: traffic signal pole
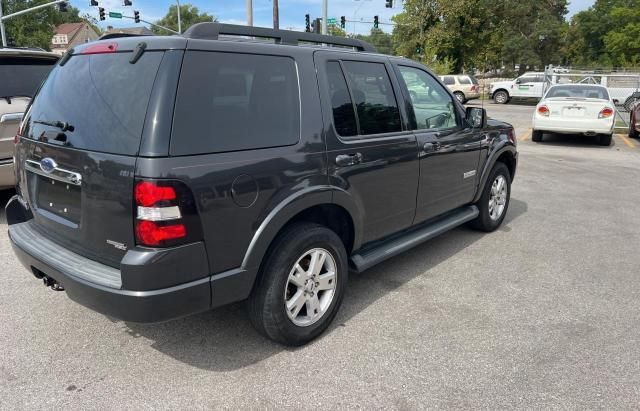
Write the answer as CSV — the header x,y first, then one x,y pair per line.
x,y
325,15
18,13
151,24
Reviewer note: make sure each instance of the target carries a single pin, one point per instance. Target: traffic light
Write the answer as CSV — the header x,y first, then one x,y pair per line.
x,y
307,23
63,7
136,16
93,3
128,3
388,4
101,13
375,22
343,22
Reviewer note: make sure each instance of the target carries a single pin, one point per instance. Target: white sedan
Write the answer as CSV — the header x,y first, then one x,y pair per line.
x,y
575,109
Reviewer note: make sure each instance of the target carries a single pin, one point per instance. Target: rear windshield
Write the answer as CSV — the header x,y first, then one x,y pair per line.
x,y
21,77
578,92
104,98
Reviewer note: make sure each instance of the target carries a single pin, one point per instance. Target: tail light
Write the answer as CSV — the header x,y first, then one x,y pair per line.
x,y
474,88
605,112
101,48
16,138
543,111
166,214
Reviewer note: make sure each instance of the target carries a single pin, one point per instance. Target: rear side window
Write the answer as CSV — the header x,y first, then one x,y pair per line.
x,y
26,75
344,117
448,80
464,80
373,96
232,102
104,98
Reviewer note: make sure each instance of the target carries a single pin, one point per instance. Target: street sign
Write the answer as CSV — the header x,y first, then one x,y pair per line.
x,y
115,15
332,20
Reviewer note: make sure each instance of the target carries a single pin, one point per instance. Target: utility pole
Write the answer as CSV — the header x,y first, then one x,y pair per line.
x,y
2,33
276,16
325,15
179,22
249,13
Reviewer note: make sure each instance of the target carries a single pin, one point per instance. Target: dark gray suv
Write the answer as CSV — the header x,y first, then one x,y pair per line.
x,y
159,177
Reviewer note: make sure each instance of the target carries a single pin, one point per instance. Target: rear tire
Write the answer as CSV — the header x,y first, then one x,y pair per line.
x,y
501,97
536,135
633,133
274,309
605,140
460,96
494,202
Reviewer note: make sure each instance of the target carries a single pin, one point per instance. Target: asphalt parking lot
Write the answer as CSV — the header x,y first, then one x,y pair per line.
x,y
543,313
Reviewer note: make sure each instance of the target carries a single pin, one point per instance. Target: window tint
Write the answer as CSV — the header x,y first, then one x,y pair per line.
x,y
26,75
433,107
539,78
230,102
464,80
344,118
103,96
571,91
527,79
448,80
374,98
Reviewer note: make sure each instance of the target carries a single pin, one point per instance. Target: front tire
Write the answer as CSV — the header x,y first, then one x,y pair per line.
x,y
494,202
605,140
501,97
633,133
301,285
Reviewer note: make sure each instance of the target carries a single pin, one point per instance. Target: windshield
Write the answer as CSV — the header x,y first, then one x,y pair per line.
x,y
102,98
22,76
596,92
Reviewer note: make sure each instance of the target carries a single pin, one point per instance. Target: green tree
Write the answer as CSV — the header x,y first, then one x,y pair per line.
x,y
36,29
334,30
189,15
382,41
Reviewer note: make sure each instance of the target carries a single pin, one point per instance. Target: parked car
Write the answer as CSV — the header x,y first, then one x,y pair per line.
x,y
575,109
463,86
21,72
528,86
164,176
634,120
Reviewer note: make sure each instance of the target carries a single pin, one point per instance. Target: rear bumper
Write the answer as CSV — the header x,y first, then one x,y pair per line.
x,y
7,178
574,126
95,286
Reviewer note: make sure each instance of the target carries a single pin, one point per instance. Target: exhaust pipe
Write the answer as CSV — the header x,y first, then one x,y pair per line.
x,y
52,283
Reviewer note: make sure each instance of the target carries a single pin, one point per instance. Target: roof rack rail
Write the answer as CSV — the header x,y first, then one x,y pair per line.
x,y
211,31
120,35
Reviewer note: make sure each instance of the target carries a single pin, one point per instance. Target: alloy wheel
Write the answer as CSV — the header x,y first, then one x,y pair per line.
x,y
498,197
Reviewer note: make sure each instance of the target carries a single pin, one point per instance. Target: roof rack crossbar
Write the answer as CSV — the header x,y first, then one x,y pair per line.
x,y
212,31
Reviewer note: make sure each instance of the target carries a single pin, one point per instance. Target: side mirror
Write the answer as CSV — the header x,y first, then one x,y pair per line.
x,y
518,81
616,101
476,117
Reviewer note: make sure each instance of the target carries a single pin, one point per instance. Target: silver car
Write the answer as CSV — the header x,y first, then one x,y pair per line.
x,y
21,73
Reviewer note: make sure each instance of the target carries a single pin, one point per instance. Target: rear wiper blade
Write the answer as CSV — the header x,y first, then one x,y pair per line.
x,y
62,125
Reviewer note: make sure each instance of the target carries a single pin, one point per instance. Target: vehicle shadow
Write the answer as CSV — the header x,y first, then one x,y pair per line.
x,y
224,340
5,195
574,140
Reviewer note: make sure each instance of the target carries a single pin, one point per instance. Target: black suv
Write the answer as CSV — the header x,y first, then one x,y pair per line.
x,y
163,176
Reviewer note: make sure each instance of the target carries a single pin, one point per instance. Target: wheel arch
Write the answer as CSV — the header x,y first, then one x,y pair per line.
x,y
506,154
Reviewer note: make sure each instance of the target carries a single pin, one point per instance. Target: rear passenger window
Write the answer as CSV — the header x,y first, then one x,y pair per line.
x,y
344,118
464,80
231,102
373,95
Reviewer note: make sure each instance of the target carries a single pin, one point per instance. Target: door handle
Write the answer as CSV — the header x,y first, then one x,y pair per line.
x,y
429,147
349,159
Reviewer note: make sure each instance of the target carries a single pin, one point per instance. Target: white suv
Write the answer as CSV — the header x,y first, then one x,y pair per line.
x,y
528,85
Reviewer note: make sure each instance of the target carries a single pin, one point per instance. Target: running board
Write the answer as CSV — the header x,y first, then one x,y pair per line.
x,y
404,242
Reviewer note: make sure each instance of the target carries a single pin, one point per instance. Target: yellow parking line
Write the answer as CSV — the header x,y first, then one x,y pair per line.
x,y
627,141
526,135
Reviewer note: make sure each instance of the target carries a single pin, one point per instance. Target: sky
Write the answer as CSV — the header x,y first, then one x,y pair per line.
x,y
357,12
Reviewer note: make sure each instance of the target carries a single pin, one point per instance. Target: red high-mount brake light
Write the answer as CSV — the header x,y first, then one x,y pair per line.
x,y
148,194
152,234
543,110
101,48
605,112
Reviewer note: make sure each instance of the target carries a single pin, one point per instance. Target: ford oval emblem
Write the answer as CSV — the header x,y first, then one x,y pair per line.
x,y
48,165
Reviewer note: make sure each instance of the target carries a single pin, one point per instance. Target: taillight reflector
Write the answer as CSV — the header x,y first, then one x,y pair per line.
x,y
101,48
148,194
152,234
605,112
543,110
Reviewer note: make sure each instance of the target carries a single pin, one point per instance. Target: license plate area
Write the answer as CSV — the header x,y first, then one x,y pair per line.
x,y
574,111
59,198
